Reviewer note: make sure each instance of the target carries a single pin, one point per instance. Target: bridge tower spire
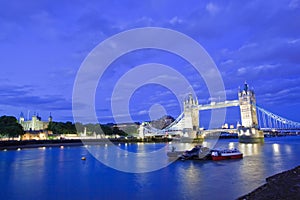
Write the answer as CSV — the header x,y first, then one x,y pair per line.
x,y
248,132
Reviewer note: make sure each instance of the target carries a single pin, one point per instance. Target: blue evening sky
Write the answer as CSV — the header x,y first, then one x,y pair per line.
x,y
44,42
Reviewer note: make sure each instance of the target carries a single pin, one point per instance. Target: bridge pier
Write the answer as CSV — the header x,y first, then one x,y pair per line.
x,y
250,135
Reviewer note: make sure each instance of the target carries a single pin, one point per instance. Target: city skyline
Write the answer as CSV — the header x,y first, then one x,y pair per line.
x,y
44,44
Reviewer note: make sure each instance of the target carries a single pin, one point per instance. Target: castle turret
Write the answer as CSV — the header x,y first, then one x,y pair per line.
x,y
34,123
50,118
22,118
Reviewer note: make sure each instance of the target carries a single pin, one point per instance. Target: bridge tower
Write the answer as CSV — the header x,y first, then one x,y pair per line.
x,y
247,102
191,117
248,132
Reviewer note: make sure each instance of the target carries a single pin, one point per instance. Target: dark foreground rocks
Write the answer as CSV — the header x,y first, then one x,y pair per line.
x,y
285,185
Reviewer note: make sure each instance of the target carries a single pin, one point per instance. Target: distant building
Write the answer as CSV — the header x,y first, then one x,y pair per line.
x,y
35,124
36,135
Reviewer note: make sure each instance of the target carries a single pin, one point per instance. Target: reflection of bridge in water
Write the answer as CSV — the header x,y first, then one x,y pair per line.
x,y
255,120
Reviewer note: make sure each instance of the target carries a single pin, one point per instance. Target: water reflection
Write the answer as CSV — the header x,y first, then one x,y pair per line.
x,y
190,177
276,149
288,149
40,173
144,158
249,149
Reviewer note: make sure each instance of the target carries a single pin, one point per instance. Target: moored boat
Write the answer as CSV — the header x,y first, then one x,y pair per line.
x,y
174,153
198,153
224,154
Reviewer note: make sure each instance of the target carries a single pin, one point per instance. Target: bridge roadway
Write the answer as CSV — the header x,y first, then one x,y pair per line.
x,y
219,130
215,105
280,129
204,132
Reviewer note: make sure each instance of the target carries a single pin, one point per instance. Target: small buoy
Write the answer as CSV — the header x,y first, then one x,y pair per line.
x,y
83,158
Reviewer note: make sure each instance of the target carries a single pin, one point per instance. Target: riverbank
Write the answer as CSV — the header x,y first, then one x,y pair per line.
x,y
14,144
285,185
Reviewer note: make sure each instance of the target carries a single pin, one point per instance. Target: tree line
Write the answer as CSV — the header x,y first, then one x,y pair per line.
x,y
74,128
10,127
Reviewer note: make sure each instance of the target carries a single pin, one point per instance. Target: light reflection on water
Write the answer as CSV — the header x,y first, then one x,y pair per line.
x,y
53,173
250,149
276,149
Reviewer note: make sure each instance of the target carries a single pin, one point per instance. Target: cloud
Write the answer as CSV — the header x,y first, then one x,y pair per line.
x,y
284,97
242,70
143,112
247,46
294,4
293,41
175,20
212,8
21,96
249,71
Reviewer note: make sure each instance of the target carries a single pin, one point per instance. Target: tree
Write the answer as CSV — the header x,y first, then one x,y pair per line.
x,y
79,127
10,127
62,128
117,131
106,129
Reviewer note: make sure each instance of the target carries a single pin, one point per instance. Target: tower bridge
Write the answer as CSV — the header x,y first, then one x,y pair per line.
x,y
254,119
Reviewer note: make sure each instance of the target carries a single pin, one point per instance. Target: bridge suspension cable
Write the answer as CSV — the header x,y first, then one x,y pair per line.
x,y
267,120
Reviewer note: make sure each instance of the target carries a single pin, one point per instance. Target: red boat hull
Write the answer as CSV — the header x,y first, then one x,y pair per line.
x,y
239,156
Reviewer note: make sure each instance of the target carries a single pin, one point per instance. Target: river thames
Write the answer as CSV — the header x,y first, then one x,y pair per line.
x,y
59,173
